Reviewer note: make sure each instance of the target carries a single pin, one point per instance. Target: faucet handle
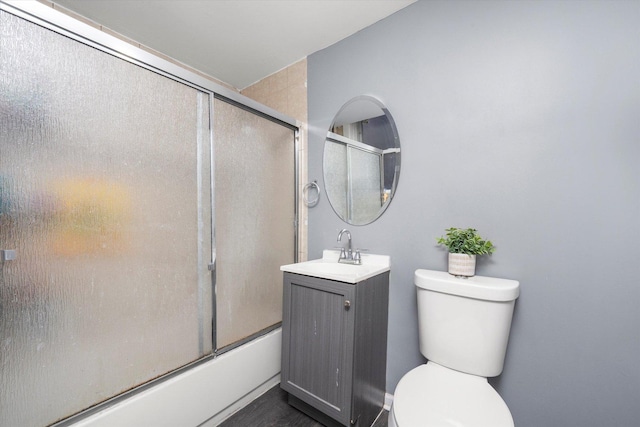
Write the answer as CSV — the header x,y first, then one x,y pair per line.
x,y
343,254
357,257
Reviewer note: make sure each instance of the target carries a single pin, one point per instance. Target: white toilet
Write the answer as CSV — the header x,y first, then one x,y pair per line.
x,y
464,329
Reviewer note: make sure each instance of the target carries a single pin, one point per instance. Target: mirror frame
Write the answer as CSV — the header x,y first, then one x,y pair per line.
x,y
396,140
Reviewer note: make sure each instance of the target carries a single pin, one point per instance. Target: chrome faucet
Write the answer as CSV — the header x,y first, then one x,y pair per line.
x,y
347,256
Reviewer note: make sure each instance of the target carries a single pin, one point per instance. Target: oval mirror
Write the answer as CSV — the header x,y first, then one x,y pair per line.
x,y
361,162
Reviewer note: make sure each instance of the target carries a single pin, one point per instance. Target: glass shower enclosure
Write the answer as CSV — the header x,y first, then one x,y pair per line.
x,y
127,200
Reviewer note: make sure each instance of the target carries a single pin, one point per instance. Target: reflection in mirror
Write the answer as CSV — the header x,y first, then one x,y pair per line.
x,y
361,161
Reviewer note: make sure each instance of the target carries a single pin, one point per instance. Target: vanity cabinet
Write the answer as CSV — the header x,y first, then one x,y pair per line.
x,y
334,347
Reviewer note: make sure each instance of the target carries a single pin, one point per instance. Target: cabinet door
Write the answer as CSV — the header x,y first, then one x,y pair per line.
x,y
318,340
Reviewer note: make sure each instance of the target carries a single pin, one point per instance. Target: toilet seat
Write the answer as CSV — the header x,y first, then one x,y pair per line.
x,y
434,396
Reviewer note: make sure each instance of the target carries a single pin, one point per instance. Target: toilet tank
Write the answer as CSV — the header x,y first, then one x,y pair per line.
x,y
464,323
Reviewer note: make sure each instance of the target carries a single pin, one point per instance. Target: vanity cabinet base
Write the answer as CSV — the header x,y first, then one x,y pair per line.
x,y
334,347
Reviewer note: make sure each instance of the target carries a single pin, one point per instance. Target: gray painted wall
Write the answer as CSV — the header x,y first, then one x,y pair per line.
x,y
521,119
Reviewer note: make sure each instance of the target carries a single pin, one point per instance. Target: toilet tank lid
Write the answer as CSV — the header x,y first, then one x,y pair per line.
x,y
478,287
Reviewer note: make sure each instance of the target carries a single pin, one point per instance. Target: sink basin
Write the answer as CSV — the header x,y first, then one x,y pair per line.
x,y
328,267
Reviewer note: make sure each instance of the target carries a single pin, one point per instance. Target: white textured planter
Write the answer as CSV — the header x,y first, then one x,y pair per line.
x,y
462,265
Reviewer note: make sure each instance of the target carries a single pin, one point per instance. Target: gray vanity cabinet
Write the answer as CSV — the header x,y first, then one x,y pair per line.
x,y
334,347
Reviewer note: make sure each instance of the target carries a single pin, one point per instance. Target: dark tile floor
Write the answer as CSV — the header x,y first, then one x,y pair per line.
x,y
272,410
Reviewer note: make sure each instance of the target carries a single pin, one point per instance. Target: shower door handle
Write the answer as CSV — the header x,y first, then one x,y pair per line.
x,y
7,254
212,265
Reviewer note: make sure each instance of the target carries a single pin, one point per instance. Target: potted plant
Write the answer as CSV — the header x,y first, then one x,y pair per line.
x,y
464,244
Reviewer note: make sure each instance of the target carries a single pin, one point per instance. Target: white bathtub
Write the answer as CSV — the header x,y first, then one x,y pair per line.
x,y
203,396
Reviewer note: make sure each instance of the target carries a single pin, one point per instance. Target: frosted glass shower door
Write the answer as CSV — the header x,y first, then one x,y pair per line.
x,y
103,206
254,220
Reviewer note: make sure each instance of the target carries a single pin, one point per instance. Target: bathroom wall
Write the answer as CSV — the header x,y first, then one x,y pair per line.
x,y
520,119
284,91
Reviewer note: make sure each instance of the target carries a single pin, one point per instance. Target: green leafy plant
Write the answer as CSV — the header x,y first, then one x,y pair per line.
x,y
465,241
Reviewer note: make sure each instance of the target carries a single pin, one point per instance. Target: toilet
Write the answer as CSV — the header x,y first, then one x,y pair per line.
x,y
464,326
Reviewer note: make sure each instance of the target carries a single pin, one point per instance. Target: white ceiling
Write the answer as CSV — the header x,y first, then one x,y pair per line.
x,y
237,41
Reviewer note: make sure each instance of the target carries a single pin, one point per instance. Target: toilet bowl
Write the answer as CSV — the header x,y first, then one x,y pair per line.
x,y
464,327
434,396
